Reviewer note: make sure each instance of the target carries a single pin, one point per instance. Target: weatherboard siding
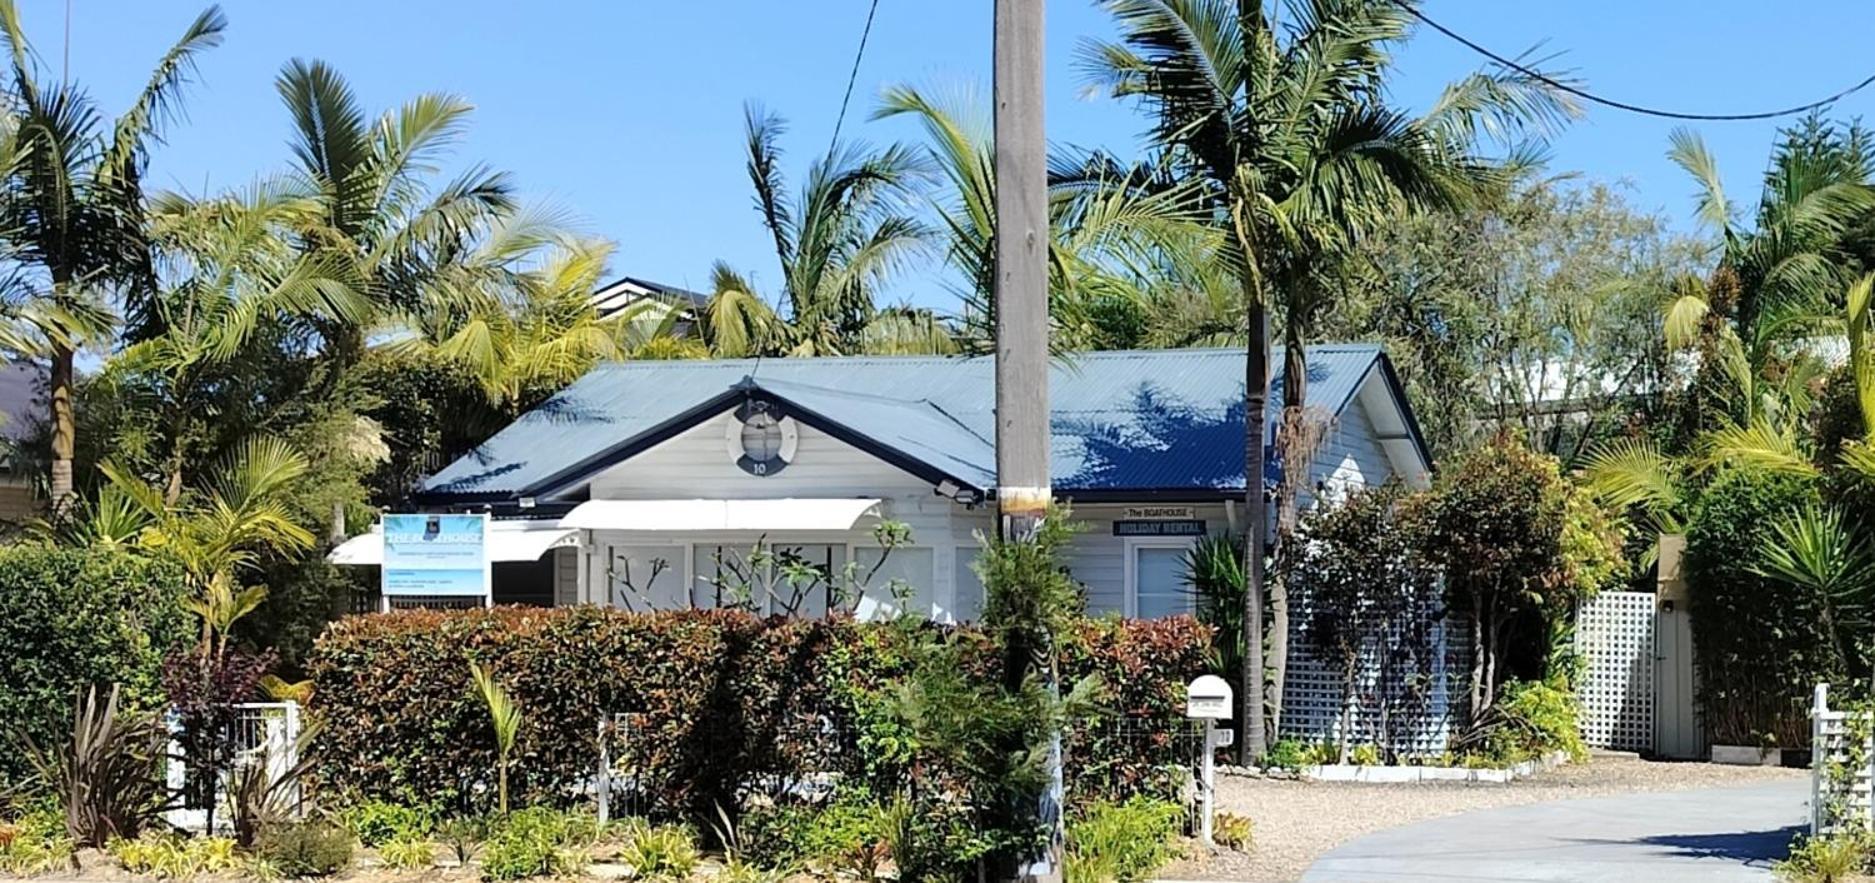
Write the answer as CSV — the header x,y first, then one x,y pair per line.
x,y
696,465
1350,457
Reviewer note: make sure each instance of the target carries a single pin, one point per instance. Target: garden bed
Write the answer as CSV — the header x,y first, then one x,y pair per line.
x,y
1408,775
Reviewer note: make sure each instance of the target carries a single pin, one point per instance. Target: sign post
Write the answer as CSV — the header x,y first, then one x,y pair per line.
x,y
1209,699
436,555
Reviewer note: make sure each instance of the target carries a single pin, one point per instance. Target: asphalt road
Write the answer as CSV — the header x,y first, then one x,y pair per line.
x,y
1708,835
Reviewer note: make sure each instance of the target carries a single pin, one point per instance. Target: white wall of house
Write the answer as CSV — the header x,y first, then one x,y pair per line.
x,y
1131,576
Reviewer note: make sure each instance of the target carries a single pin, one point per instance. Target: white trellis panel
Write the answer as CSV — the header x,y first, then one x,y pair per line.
x,y
1615,635
1840,794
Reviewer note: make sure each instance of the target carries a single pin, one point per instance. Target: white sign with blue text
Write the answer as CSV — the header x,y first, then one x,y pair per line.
x,y
436,555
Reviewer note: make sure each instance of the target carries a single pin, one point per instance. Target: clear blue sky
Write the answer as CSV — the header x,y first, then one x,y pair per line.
x,y
628,113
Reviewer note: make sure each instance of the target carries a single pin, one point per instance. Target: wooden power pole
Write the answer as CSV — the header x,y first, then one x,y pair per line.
x,y
1020,298
1021,288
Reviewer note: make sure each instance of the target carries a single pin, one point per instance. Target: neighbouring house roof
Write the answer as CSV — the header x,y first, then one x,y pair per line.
x,y
627,290
1129,422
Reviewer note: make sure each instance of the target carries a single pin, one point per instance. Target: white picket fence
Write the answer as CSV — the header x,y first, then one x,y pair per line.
x,y
262,730
1838,800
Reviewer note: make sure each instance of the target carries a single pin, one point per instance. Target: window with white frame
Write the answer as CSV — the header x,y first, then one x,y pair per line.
x,y
910,566
1155,578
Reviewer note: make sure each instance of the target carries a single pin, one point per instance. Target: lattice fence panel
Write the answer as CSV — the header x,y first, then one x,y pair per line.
x,y
1615,635
1413,704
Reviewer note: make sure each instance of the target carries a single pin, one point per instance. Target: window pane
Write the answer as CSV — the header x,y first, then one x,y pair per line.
x,y
645,578
909,565
970,596
1160,576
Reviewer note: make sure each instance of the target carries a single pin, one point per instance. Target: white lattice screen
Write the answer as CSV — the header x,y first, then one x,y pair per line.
x,y
1615,635
1427,696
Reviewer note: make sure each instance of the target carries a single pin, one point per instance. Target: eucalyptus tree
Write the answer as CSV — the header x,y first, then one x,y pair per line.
x,y
1289,125
1113,230
73,207
839,239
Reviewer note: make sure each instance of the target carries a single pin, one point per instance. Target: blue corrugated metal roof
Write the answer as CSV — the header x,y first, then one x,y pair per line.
x,y
1133,420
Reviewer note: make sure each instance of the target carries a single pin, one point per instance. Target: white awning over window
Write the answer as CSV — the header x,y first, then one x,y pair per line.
x,y
507,541
793,514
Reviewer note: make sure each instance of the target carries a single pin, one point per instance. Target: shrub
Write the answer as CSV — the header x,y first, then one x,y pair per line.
x,y
376,822
305,849
1530,720
1232,831
1758,644
537,842
663,851
1121,842
1833,859
723,698
71,619
35,843
407,852
104,772
174,857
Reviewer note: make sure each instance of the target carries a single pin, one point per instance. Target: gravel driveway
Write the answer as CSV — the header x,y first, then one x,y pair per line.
x,y
1296,822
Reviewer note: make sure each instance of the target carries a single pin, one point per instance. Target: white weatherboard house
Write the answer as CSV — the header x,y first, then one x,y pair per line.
x,y
631,486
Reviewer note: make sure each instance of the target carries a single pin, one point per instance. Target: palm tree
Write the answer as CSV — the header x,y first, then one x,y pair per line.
x,y
403,235
504,718
73,206
219,529
1109,225
1782,285
228,277
538,330
838,240
1291,130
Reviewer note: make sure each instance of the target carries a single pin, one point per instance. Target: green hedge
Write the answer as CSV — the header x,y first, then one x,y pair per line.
x,y
1759,644
723,699
72,618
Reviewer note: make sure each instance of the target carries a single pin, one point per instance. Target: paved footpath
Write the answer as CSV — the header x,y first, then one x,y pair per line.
x,y
1708,835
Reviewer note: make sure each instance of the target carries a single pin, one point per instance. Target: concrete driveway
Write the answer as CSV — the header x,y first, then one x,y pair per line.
x,y
1707,835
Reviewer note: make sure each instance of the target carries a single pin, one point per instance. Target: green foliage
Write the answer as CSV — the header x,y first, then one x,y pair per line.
x,y
1366,589
1519,549
1289,754
538,842
725,699
504,718
35,843
1121,842
407,852
376,822
1233,831
463,836
313,848
1530,720
71,618
660,852
175,857
1835,859
1760,645
1214,570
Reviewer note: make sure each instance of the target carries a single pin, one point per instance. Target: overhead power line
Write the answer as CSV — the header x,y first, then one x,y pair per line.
x,y
1623,105
853,77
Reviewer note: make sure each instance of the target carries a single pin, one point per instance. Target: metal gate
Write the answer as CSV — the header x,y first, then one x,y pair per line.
x,y
1615,635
